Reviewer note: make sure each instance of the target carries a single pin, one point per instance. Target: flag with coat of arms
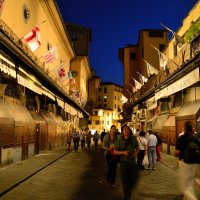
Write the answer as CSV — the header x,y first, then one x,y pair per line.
x,y
60,72
33,39
150,69
51,55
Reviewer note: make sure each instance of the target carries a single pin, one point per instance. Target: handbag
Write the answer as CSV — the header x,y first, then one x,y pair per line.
x,y
145,160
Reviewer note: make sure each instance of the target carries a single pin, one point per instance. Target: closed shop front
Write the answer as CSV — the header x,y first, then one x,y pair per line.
x,y
169,134
51,129
6,134
41,132
24,129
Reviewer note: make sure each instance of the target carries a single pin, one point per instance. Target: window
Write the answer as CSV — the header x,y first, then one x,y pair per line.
x,y
99,98
13,91
156,34
105,98
133,56
95,113
105,90
175,49
105,105
97,122
74,36
99,89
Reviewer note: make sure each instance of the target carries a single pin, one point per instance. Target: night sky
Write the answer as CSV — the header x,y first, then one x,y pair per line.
x,y
116,23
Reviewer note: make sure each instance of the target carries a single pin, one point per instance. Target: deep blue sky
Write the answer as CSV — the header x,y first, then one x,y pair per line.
x,y
115,23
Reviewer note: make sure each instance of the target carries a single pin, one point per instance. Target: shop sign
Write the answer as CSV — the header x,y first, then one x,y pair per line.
x,y
7,67
179,85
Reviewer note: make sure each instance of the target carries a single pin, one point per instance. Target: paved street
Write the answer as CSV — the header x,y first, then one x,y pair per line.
x,y
58,175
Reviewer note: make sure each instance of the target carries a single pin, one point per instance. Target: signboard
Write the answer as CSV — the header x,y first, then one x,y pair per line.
x,y
179,85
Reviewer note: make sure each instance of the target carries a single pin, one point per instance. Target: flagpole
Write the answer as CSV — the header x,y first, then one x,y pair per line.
x,y
35,26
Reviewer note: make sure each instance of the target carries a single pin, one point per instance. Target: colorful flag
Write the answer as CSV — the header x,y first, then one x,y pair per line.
x,y
179,40
143,79
51,55
33,39
71,78
124,99
133,88
162,58
150,69
138,85
60,72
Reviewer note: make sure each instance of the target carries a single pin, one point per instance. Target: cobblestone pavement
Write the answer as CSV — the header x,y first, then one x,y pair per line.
x,y
58,175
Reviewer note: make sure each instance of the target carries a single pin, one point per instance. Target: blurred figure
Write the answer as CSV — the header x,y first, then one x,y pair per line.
x,y
127,148
83,137
142,142
108,145
96,139
158,147
76,138
151,143
103,133
69,140
88,139
189,171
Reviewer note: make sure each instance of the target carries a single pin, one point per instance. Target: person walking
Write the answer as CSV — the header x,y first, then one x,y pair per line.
x,y
189,170
88,139
151,143
96,139
142,142
108,145
127,148
158,146
76,138
83,138
103,133
69,140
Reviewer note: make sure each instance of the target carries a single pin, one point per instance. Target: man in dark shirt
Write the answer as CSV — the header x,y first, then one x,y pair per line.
x,y
189,173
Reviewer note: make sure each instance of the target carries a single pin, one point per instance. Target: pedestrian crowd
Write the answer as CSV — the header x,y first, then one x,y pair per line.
x,y
139,151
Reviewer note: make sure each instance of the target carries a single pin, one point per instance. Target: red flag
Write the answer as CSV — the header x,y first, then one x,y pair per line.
x,y
60,72
33,39
51,55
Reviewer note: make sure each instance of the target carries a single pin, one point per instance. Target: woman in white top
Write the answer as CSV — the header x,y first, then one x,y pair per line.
x,y
142,142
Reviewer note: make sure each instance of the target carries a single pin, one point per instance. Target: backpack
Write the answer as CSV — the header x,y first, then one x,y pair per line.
x,y
192,152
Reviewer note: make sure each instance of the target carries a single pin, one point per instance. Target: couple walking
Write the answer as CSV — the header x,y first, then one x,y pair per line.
x,y
123,148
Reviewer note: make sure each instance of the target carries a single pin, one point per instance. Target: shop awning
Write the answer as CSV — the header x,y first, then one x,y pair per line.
x,y
37,117
19,113
47,116
160,121
171,121
188,109
5,116
152,119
